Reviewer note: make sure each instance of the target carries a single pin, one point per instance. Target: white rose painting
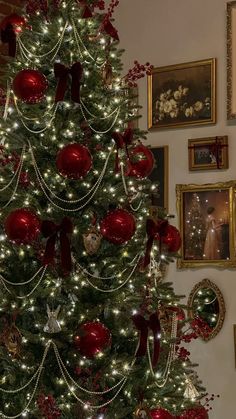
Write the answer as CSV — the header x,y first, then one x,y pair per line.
x,y
182,94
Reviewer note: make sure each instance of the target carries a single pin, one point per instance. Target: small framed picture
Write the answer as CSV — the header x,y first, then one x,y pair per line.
x,y
207,224
182,95
160,175
208,153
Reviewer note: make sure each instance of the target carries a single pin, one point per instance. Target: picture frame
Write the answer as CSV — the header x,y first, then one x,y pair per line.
x,y
160,174
207,224
231,60
182,95
235,344
209,153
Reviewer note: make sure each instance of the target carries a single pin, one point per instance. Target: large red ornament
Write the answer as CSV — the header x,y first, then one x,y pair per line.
x,y
118,226
92,338
198,412
160,414
143,166
22,226
30,86
74,161
171,238
15,20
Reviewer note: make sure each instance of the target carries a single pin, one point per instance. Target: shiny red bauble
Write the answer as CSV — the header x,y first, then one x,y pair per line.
x,y
180,314
15,20
30,86
172,238
198,412
118,226
92,338
160,414
141,162
74,161
22,226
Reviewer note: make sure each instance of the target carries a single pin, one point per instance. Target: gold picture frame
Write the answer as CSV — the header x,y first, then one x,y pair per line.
x,y
160,174
235,344
182,95
231,60
209,153
206,284
207,224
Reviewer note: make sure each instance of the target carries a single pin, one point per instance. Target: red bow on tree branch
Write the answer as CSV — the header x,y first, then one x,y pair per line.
x,y
122,141
87,12
153,228
54,232
143,326
62,73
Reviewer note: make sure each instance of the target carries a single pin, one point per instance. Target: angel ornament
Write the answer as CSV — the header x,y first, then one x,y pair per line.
x,y
53,325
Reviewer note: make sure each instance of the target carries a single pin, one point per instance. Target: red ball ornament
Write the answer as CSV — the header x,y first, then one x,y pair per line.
x,y
74,161
22,226
30,86
141,162
180,314
15,20
118,226
172,238
160,414
92,338
198,412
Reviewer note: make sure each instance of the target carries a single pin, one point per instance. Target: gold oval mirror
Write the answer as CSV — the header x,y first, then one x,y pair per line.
x,y
206,309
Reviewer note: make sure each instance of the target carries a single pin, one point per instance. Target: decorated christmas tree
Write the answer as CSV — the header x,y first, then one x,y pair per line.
x,y
195,229
88,327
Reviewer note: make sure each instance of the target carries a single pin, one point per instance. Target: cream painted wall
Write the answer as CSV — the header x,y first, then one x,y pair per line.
x,y
170,32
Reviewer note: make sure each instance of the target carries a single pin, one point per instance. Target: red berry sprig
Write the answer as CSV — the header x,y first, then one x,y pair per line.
x,y
47,407
111,8
209,399
100,4
137,72
182,353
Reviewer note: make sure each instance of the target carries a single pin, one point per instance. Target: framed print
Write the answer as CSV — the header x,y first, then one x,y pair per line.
x,y
182,95
235,344
160,175
231,60
208,153
207,224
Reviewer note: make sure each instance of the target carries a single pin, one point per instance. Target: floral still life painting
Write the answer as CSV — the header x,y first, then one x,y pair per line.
x,y
182,94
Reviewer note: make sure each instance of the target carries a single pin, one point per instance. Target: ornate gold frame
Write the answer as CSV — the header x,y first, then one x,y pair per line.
x,y
212,120
206,283
222,263
231,6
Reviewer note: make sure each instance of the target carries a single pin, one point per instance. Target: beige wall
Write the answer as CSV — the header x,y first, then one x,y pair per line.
x,y
169,32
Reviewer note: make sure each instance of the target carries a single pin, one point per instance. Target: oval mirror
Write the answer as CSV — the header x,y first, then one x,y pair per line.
x,y
206,309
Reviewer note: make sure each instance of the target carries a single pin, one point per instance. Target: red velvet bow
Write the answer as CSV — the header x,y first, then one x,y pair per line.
x,y
62,72
143,326
87,12
53,231
8,36
109,29
153,228
122,140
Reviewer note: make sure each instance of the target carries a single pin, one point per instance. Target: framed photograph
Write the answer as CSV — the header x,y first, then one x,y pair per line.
x,y
208,153
207,224
231,60
182,95
160,175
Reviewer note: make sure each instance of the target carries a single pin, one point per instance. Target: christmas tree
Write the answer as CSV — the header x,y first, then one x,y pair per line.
x,y
195,229
88,329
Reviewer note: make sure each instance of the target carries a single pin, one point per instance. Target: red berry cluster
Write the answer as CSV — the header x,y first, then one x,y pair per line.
x,y
209,399
34,6
182,353
111,8
188,337
47,407
137,72
201,327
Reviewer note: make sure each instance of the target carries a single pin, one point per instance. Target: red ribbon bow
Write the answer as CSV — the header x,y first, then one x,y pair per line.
x,y
122,140
87,12
53,231
143,326
62,72
109,29
8,36
153,228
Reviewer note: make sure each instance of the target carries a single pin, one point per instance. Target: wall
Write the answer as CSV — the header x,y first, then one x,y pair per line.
x,y
167,32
